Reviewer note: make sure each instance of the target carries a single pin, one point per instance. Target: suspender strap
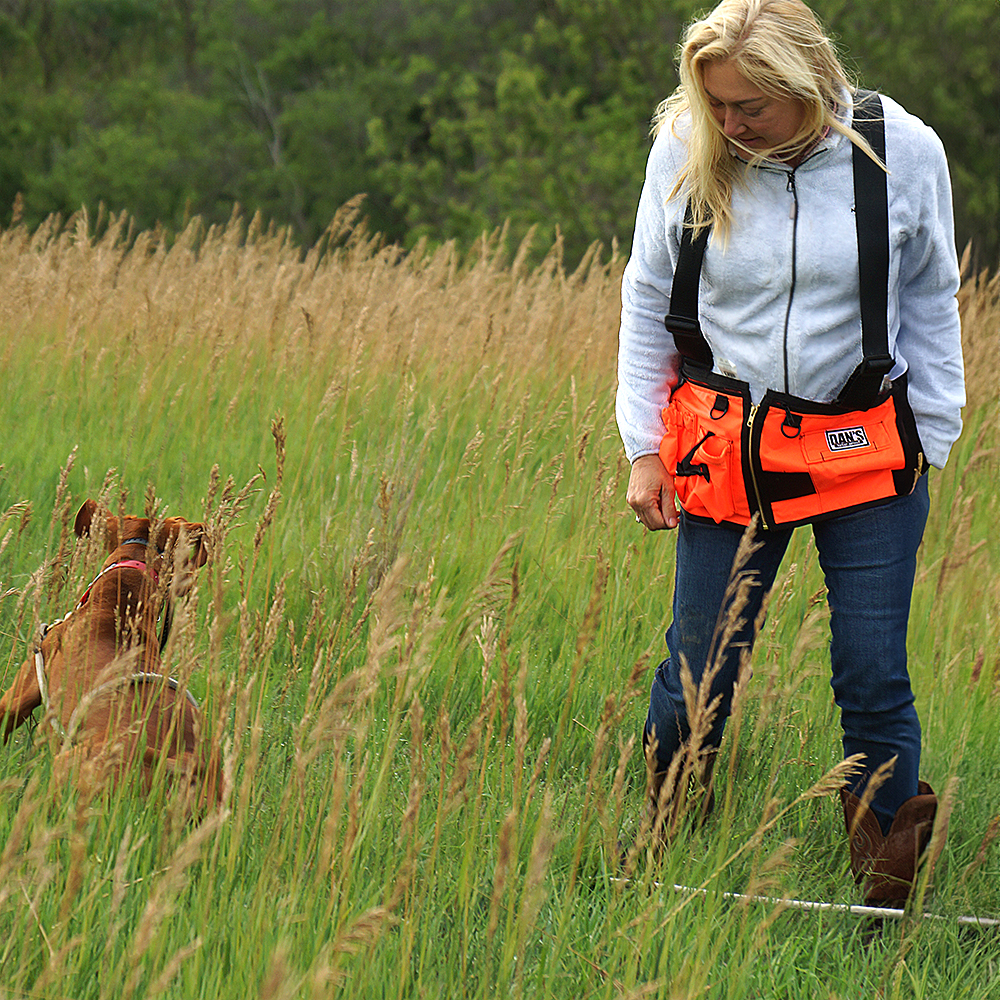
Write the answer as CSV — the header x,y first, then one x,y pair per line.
x,y
872,222
682,320
871,217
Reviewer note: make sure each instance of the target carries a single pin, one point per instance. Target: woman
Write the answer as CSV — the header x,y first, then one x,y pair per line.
x,y
795,348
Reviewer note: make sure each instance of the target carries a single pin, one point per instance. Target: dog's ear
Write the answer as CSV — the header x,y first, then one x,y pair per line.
x,y
85,521
84,518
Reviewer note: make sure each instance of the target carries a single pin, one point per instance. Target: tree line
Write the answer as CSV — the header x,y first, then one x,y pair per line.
x,y
452,117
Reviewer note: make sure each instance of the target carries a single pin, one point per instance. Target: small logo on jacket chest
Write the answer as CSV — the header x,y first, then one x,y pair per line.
x,y
846,439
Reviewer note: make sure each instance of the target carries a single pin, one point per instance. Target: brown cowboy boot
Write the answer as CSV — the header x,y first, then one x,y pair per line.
x,y
887,863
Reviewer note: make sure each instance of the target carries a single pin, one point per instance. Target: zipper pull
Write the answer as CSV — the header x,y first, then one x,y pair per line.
x,y
790,186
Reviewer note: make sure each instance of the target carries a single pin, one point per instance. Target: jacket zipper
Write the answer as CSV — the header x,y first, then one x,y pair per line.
x,y
794,211
751,461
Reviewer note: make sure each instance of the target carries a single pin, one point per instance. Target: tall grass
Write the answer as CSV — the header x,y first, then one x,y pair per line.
x,y
423,645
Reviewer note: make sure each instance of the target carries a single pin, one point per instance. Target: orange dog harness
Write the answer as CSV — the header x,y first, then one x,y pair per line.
x,y
792,460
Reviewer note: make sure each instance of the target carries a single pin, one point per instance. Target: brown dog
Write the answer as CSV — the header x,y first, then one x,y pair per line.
x,y
97,671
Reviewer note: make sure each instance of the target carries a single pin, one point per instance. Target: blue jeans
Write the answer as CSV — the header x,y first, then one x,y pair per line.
x,y
869,561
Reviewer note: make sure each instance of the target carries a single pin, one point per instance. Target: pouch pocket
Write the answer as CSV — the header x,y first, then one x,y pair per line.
x,y
855,443
836,461
702,451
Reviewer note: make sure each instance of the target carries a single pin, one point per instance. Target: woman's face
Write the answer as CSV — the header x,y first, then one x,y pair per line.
x,y
746,113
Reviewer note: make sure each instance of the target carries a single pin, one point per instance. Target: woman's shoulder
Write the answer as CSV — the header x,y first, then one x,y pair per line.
x,y
906,136
670,145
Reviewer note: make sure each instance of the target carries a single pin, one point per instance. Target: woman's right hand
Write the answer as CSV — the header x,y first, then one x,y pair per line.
x,y
651,493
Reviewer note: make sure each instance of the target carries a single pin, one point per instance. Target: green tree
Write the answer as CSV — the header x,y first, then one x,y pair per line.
x,y
452,116
941,60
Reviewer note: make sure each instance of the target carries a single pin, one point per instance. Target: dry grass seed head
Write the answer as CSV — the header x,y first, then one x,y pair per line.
x,y
520,720
457,790
979,307
506,847
538,861
161,984
337,783
385,635
278,983
267,517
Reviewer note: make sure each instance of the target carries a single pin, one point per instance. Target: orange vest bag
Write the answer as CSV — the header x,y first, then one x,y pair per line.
x,y
790,460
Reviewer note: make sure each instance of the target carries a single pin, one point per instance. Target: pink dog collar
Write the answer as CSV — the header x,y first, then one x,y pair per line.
x,y
131,564
124,564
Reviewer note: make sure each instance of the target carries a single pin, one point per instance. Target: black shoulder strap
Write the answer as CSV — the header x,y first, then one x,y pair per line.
x,y
871,205
871,218
682,320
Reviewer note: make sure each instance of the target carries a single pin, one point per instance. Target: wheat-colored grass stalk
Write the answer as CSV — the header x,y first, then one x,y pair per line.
x,y
410,655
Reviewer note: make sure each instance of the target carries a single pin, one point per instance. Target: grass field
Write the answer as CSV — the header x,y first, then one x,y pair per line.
x,y
423,645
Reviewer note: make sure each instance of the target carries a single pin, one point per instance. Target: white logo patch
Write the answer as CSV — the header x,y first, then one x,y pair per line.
x,y
847,439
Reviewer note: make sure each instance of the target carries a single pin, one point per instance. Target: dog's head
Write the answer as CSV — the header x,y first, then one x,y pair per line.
x,y
173,533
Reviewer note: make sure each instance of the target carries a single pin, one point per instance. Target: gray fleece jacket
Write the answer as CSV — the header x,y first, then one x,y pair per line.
x,y
779,305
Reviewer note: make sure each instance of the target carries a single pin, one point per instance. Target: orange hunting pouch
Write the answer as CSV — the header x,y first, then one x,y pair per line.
x,y
790,459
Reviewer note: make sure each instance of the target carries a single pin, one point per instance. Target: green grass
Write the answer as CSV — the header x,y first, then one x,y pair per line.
x,y
424,643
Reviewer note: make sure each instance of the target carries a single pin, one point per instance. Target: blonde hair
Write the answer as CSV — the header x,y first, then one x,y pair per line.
x,y
781,48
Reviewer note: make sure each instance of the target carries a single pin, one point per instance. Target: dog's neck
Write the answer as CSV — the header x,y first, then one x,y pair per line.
x,y
117,563
121,558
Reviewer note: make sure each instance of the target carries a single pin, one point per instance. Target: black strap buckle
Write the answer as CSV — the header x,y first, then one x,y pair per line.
x,y
688,339
685,467
869,383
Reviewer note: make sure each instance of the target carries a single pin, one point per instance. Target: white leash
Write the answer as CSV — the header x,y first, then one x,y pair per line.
x,y
40,677
884,912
